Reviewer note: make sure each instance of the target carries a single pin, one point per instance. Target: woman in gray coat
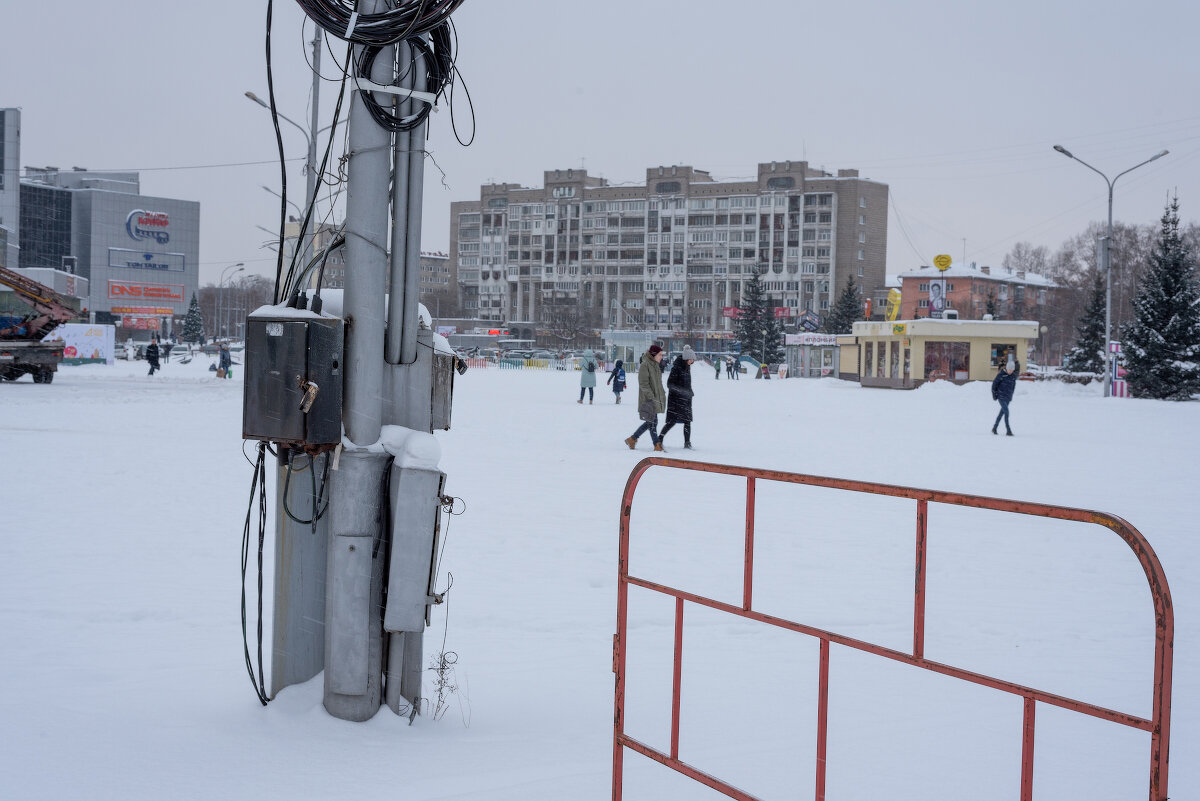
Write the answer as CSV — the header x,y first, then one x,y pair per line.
x,y
587,376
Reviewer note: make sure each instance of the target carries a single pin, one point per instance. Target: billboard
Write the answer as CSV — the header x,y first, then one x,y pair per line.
x,y
937,297
143,260
84,344
138,290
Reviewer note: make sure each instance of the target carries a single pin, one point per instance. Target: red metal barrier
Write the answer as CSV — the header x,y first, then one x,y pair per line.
x,y
1159,724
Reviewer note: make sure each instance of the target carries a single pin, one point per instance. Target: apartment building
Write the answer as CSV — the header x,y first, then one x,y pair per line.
x,y
671,254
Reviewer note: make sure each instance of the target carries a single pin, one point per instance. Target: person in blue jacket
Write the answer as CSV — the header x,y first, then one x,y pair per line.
x,y
616,377
1003,386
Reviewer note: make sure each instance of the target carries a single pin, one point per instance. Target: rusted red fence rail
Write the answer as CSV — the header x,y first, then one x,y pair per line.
x,y
1159,723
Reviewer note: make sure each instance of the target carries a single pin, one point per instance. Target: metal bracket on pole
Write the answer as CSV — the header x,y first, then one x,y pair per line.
x,y
364,85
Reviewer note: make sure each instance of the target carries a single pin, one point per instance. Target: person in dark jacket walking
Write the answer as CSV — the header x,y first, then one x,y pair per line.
x,y
152,355
679,396
616,377
1003,386
225,361
652,398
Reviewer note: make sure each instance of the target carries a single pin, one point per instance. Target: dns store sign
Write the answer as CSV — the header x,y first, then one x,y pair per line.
x,y
125,290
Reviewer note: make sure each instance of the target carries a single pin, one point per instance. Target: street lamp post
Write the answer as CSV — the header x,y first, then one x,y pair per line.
x,y
1106,252
310,136
221,295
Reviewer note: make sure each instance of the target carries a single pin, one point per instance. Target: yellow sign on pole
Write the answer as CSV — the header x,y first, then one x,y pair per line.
x,y
942,262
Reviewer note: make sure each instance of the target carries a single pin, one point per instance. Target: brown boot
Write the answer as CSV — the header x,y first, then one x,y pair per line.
x,y
631,442
658,447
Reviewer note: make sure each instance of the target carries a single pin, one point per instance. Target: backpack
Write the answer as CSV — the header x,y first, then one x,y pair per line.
x,y
591,367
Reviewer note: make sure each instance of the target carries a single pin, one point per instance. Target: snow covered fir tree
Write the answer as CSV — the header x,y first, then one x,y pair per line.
x,y
758,330
846,311
193,324
1161,347
1087,355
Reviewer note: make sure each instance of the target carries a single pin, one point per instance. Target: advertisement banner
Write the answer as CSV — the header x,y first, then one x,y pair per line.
x,y
782,311
142,310
85,344
141,260
141,323
810,339
130,290
937,297
731,311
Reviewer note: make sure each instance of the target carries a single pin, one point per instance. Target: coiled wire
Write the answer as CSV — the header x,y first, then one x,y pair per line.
x,y
407,19
439,70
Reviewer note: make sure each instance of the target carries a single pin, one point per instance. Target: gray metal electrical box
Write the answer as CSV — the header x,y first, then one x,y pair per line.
x,y
293,370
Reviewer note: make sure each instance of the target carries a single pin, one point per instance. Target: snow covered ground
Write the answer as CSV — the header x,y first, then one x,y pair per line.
x,y
122,504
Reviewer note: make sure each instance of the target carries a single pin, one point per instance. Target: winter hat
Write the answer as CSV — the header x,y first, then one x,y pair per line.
x,y
688,353
654,350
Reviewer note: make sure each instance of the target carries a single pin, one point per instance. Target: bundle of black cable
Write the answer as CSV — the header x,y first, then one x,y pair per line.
x,y
439,69
409,18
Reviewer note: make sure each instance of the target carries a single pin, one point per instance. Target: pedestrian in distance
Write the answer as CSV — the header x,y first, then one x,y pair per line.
x,y
717,364
152,355
1003,386
166,350
616,377
652,398
679,396
224,362
587,376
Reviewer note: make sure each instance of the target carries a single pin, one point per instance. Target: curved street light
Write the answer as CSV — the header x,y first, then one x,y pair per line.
x,y
221,324
1106,251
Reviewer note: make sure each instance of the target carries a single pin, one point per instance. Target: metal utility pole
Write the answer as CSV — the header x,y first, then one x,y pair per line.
x,y
311,176
1106,255
354,584
386,391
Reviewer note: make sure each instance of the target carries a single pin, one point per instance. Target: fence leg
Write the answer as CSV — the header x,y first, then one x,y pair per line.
x,y
1027,752
822,718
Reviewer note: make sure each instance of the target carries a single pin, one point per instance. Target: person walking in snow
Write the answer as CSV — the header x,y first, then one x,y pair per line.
x,y
616,377
652,398
1003,386
587,376
225,361
166,351
679,396
152,355
717,364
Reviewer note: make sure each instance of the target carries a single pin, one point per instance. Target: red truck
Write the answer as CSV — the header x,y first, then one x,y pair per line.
x,y
21,347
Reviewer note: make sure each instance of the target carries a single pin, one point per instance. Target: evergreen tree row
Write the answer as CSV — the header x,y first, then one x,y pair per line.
x,y
1161,348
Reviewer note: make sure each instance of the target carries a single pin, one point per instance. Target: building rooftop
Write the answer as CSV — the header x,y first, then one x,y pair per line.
x,y
970,270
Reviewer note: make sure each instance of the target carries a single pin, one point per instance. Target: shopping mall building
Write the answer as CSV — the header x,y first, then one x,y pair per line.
x,y
139,253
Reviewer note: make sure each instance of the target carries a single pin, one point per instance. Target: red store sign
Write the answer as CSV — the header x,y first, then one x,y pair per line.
x,y
129,289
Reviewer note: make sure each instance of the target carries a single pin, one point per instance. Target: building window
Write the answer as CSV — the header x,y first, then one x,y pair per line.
x,y
861,254
862,202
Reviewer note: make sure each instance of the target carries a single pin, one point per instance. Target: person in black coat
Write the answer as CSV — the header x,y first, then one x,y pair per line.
x,y
679,396
152,356
1003,386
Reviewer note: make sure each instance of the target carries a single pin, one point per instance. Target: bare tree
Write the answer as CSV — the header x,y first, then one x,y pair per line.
x,y
568,320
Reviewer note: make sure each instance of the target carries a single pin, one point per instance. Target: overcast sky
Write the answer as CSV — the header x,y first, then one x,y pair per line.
x,y
955,105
